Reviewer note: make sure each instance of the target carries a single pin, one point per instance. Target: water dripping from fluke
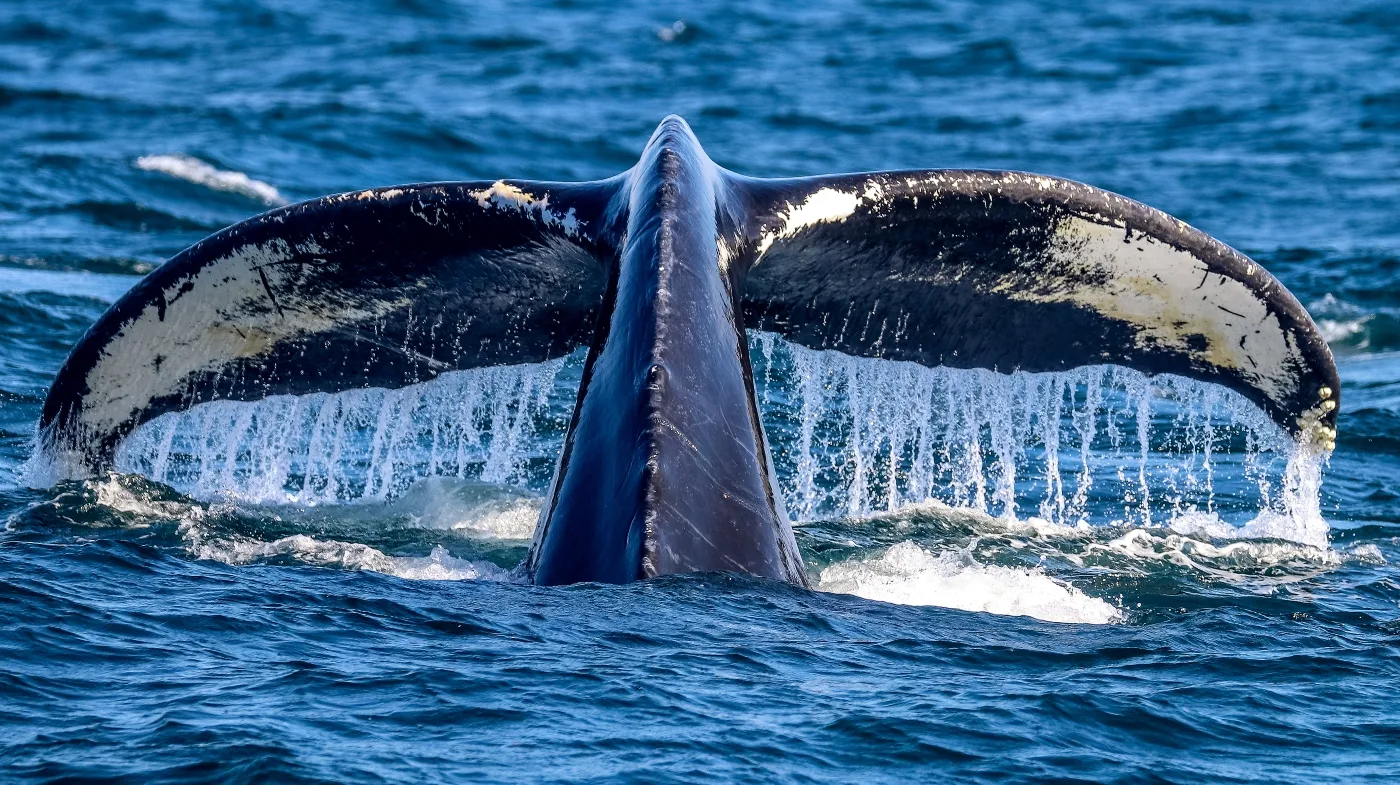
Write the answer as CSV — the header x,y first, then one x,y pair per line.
x,y
1095,445
851,437
498,425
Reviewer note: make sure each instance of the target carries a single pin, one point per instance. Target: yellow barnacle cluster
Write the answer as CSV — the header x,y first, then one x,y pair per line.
x,y
1326,437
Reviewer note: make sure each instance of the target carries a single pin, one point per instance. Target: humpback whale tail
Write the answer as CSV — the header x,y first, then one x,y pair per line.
x,y
658,271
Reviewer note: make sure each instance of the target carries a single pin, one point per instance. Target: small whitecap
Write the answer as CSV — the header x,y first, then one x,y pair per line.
x,y
191,169
1367,553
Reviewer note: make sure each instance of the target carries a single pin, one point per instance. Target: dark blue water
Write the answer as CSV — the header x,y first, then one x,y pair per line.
x,y
1174,623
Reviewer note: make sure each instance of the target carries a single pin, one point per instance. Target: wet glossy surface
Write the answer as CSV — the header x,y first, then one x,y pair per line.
x,y
153,635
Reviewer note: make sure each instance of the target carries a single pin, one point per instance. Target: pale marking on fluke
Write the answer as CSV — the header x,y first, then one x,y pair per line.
x,y
504,196
824,206
665,466
1154,293
151,354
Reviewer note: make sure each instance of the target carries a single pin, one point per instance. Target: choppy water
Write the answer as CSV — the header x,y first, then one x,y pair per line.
x,y
1082,577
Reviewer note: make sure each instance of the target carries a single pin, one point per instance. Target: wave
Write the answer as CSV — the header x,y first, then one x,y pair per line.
x,y
937,555
904,574
1261,564
477,511
948,520
129,216
191,169
1266,551
1352,329
931,554
61,286
78,263
220,532
989,57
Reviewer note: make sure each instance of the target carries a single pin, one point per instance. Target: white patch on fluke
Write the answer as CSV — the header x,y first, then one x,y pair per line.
x,y
825,206
1170,297
504,196
385,194
191,169
220,313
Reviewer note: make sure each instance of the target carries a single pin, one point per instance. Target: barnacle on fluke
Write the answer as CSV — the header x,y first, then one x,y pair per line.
x,y
658,271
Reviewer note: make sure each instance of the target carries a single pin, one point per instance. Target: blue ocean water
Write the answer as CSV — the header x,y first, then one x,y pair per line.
x,y
1167,600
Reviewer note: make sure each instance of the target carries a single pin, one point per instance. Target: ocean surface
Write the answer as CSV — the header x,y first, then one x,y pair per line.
x,y
1082,577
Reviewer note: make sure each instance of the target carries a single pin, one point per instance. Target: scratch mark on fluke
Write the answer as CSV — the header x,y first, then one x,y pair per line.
x,y
262,276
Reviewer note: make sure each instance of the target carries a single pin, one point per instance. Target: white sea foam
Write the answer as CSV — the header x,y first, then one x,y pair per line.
x,y
514,521
907,574
1268,525
1366,553
1266,552
205,537
1264,564
438,565
191,169
115,494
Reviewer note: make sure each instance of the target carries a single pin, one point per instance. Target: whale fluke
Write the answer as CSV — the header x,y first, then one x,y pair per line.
x,y
658,271
1021,272
385,287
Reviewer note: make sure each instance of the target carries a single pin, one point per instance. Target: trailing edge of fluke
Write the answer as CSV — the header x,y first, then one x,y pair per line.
x,y
658,271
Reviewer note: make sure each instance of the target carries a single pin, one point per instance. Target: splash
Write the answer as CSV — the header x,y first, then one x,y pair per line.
x,y
906,574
